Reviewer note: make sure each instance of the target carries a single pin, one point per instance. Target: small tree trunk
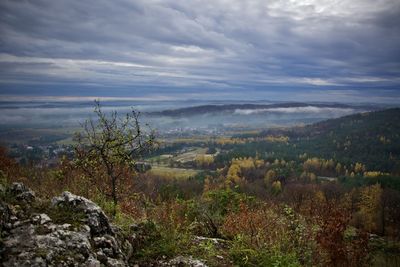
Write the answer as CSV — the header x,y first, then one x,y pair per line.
x,y
113,189
114,194
383,226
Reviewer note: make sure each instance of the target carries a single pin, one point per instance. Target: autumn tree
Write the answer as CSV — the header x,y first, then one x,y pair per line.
x,y
338,169
370,207
111,144
204,160
233,175
269,177
359,168
390,213
276,187
333,222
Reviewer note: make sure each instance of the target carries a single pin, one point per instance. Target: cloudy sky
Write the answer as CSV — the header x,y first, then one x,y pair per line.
x,y
332,50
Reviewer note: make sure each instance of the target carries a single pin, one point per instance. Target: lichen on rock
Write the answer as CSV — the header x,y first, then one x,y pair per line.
x,y
36,239
95,217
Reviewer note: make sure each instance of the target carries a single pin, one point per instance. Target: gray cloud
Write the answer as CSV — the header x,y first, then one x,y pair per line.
x,y
219,44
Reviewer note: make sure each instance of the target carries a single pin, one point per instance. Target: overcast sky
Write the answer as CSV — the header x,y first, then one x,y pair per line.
x,y
328,50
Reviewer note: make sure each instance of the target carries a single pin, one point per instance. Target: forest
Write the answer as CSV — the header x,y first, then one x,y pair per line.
x,y
325,194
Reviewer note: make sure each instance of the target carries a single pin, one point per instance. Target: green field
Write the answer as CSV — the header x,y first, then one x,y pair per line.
x,y
187,156
190,155
177,173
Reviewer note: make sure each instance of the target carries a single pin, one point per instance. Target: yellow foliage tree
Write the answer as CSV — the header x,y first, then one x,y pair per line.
x,y
204,160
359,168
233,175
338,169
370,207
276,187
269,177
372,174
244,163
312,165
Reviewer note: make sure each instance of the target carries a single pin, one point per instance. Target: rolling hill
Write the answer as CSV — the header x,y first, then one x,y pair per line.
x,y
372,138
280,107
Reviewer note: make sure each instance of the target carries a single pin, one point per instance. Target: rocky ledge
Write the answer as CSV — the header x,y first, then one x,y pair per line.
x,y
75,232
68,231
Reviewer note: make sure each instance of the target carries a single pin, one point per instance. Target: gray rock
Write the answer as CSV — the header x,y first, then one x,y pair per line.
x,y
2,189
186,261
115,263
127,249
92,262
21,192
31,239
96,218
5,215
101,256
58,247
41,219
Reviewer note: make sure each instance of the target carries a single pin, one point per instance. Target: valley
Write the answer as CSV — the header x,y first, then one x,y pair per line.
x,y
347,166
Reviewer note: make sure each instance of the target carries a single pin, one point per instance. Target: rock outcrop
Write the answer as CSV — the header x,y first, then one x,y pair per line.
x,y
69,231
31,237
21,192
95,217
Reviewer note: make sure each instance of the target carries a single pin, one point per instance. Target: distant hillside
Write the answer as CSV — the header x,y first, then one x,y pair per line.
x,y
372,138
203,109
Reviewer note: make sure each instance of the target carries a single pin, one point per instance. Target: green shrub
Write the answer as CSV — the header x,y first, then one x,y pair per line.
x,y
65,214
155,242
243,255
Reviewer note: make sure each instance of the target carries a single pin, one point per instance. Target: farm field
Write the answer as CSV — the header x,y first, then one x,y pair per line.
x,y
177,173
184,156
190,155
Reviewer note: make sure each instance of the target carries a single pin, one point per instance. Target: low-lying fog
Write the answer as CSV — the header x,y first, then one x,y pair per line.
x,y
70,114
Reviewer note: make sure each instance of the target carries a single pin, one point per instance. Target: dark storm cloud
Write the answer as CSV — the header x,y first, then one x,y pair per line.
x,y
223,46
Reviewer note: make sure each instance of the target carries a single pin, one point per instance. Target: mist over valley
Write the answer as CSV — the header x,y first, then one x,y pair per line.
x,y
168,117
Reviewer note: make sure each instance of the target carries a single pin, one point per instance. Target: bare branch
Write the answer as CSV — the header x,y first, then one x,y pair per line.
x,y
113,142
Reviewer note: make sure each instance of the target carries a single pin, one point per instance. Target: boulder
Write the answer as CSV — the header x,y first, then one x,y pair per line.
x,y
95,217
185,261
21,193
5,215
34,239
31,244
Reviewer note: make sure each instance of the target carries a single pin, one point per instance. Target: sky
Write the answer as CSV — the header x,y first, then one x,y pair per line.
x,y
316,50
